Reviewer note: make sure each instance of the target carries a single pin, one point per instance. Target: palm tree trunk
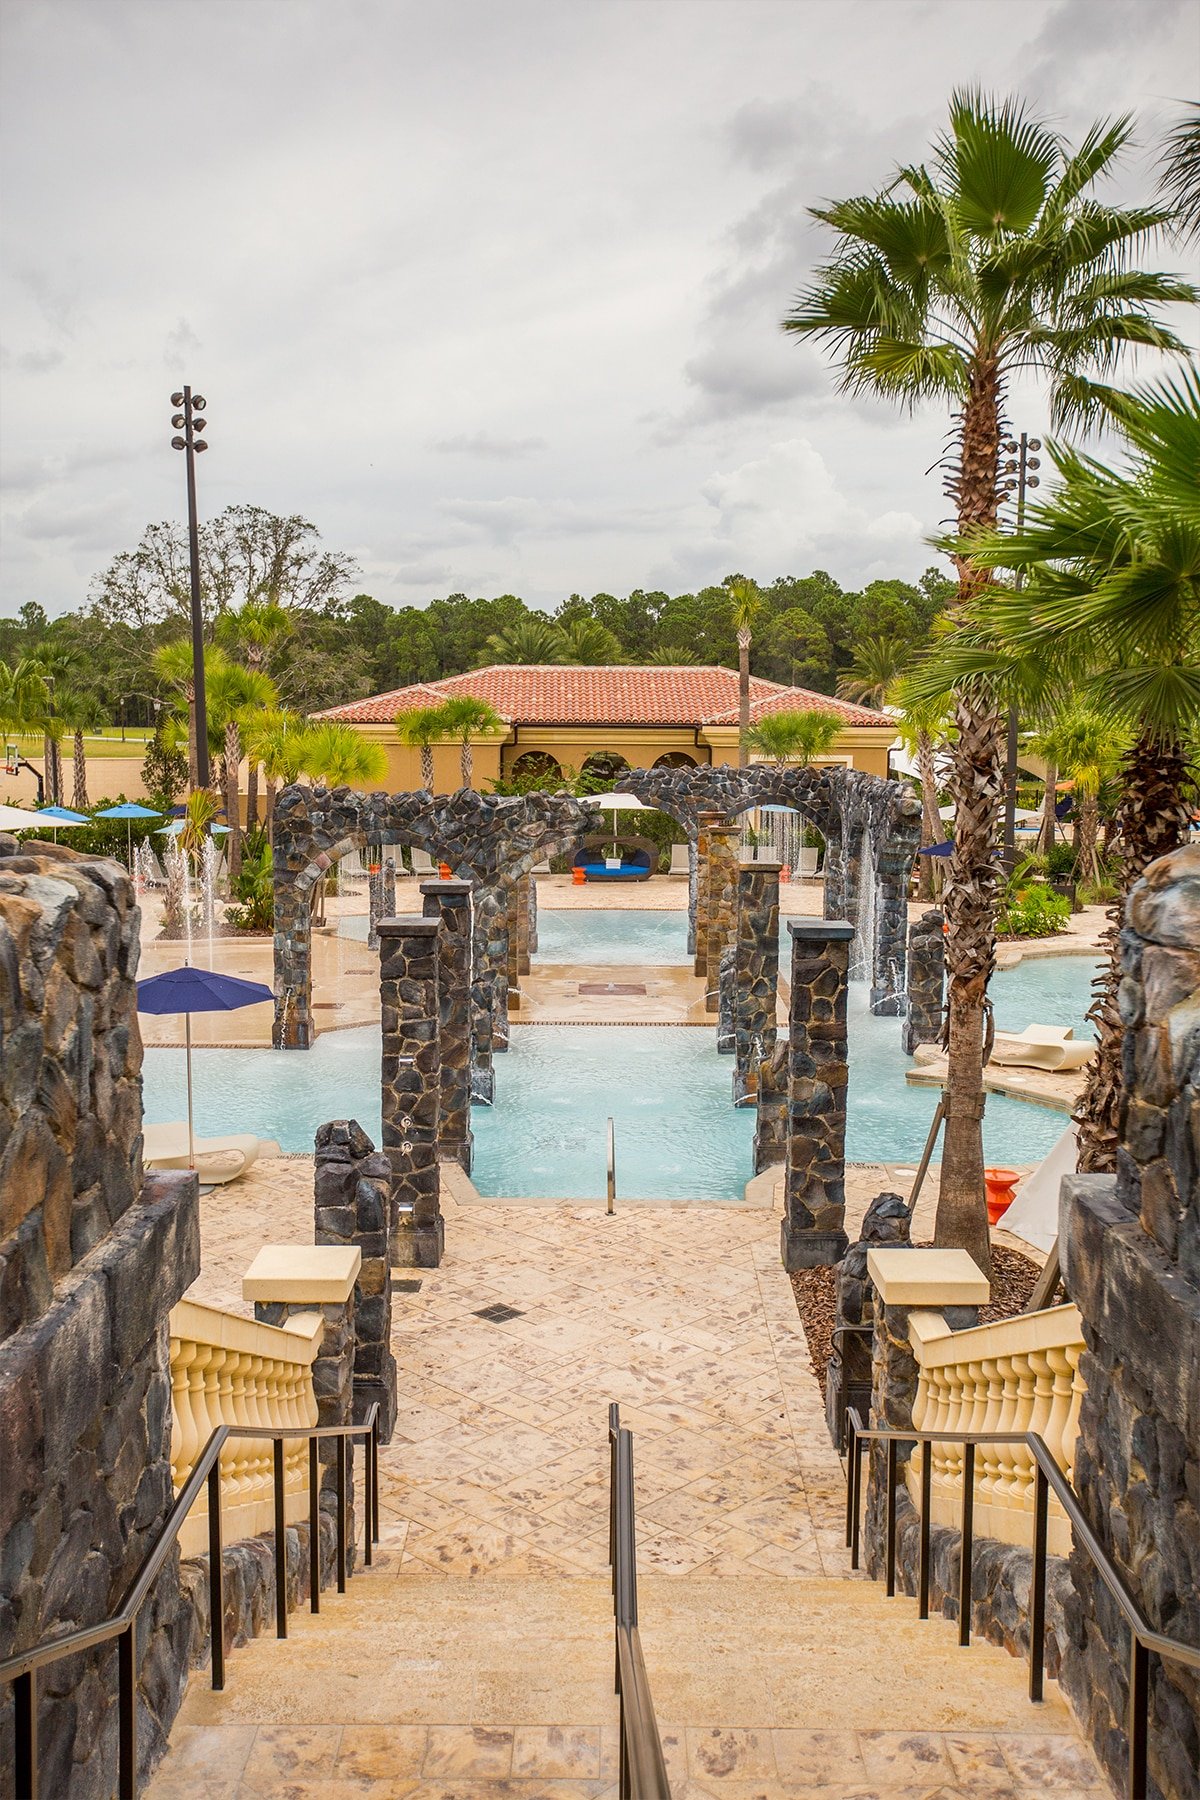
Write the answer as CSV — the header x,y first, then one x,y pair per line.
x,y
270,809
233,757
427,767
1046,830
1087,862
969,899
252,795
79,798
467,762
1152,820
743,638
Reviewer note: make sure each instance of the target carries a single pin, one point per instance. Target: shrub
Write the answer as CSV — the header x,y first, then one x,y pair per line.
x,y
1034,911
254,888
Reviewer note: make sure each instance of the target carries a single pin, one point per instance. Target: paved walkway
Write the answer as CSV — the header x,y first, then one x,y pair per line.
x,y
475,1658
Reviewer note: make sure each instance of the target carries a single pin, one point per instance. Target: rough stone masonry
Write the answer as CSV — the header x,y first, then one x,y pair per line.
x,y
411,1084
812,1231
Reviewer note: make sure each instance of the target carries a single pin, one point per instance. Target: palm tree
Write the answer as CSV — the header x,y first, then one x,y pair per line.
x,y
745,604
796,737
233,695
58,667
1111,608
992,259
589,643
674,656
80,712
279,741
1087,747
254,631
924,724
465,717
879,662
341,757
1181,171
533,639
173,666
24,695
421,727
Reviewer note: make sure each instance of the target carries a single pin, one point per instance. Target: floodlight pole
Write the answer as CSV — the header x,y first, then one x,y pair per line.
x,y
1020,477
191,443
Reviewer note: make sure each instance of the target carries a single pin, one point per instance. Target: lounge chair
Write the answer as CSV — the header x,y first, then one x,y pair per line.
x,y
1042,1047
680,860
542,868
422,863
630,865
218,1159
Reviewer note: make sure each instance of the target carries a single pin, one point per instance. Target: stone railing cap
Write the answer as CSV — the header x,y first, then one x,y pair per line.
x,y
818,930
927,1278
452,888
319,1273
409,925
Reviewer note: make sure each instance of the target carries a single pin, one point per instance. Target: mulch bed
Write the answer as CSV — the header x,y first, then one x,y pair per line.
x,y
1013,1279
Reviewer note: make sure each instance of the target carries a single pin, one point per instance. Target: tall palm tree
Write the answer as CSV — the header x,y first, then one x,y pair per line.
x,y
341,757
993,258
59,668
588,642
279,742
252,633
924,724
1181,171
1111,607
24,695
745,604
233,695
172,663
421,727
465,718
796,737
80,713
879,661
1087,747
533,639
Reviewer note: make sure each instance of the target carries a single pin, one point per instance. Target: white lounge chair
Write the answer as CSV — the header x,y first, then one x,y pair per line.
x,y
218,1159
680,860
1041,1047
422,863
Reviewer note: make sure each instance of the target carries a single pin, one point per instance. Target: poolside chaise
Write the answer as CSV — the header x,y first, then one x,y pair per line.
x,y
634,865
218,1159
680,860
1042,1047
422,862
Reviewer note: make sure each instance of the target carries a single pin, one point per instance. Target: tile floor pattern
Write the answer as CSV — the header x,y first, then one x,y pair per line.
x,y
475,1658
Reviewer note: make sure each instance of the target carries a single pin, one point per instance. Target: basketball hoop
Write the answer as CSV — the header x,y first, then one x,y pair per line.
x,y
12,761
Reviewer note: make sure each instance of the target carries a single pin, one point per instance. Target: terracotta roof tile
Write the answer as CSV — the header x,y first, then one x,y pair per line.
x,y
626,694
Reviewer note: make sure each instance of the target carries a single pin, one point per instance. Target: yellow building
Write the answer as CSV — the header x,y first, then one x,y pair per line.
x,y
635,716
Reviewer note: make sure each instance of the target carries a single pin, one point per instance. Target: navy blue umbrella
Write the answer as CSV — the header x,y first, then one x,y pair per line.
x,y
189,991
937,849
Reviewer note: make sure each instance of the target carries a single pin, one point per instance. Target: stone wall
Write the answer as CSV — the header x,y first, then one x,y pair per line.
x,y
1130,1248
926,982
815,1163
411,1086
756,974
771,1115
449,902
94,1259
848,1374
351,1181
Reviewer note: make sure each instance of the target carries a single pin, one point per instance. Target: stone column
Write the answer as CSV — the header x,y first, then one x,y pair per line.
x,y
490,979
411,1078
945,1283
693,894
533,916
721,896
449,902
351,1211
522,886
292,1029
889,951
834,871
727,1001
770,1133
288,1279
815,1186
513,913
756,968
926,982
700,889
848,1375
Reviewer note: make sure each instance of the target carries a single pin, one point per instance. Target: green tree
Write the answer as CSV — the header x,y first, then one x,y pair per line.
x,y
1181,171
993,257
1086,746
588,643
253,633
466,718
745,606
532,639
421,727
878,664
798,737
1110,608
342,757
278,740
925,727
234,696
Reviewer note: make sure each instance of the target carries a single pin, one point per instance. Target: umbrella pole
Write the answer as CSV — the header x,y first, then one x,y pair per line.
x,y
187,1033
129,845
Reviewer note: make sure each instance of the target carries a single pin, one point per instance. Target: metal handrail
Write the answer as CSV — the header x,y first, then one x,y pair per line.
x,y
1047,1475
643,1767
21,1670
836,1336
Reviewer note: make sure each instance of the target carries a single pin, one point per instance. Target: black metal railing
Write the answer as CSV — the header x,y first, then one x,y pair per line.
x,y
837,1338
1144,1640
22,1670
643,1768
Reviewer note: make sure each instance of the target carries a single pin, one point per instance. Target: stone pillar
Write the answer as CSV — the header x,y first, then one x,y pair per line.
x,y
834,872
411,1079
770,1132
889,950
815,1186
721,895
288,1279
848,1375
726,1000
449,902
693,894
700,886
533,916
514,910
1130,1252
926,982
522,886
945,1283
489,979
756,974
351,1210
292,1028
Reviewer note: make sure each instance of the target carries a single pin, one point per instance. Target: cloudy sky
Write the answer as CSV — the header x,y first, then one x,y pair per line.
x,y
489,293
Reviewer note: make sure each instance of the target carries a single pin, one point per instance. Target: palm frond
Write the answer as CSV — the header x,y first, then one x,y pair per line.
x,y
999,161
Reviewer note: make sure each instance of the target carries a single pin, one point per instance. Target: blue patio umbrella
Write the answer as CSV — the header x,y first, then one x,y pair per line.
x,y
128,810
62,815
189,991
177,827
937,849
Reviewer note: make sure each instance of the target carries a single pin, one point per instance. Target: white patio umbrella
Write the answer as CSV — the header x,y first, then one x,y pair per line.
x,y
16,818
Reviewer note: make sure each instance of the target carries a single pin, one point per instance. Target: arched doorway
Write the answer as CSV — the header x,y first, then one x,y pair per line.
x,y
536,769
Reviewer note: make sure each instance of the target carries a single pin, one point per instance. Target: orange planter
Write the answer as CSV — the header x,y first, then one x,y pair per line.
x,y
444,871
578,877
1001,1187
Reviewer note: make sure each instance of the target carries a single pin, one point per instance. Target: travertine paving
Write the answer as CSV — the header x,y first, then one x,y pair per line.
x,y
475,1659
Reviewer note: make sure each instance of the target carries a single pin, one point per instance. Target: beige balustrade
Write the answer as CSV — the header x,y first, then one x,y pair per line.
x,y
1018,1374
229,1370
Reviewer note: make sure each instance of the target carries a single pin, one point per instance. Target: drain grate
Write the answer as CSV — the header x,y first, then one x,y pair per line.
x,y
499,1314
406,1287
